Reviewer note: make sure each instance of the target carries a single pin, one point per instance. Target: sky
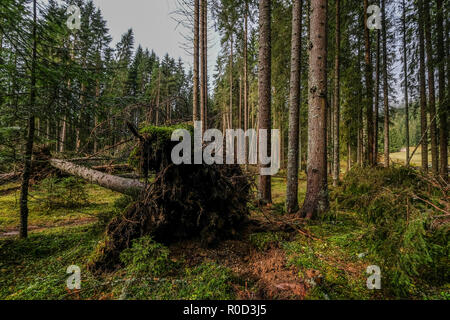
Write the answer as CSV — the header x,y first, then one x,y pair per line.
x,y
154,27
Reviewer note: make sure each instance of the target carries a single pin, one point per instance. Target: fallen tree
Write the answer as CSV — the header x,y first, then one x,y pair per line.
x,y
126,186
8,177
208,202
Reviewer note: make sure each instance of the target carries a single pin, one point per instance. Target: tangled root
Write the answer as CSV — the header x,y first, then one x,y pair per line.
x,y
185,201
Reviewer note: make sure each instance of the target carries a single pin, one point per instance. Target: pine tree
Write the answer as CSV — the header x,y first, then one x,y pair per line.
x,y
316,199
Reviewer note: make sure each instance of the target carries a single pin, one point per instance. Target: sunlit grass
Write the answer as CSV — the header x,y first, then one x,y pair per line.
x,y
416,160
99,200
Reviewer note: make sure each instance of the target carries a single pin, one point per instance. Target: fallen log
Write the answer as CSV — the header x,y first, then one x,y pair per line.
x,y
113,167
8,177
126,186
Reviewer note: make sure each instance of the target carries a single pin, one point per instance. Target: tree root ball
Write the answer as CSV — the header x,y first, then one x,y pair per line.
x,y
209,202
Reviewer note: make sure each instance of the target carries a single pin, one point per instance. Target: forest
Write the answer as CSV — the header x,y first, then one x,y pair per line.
x,y
349,97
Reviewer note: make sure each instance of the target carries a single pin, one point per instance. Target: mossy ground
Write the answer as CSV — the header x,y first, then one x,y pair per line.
x,y
99,200
332,264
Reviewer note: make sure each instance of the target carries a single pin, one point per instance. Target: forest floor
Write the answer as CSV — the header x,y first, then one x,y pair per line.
x,y
277,256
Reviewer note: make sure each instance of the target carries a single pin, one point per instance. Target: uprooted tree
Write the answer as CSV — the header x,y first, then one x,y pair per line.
x,y
208,202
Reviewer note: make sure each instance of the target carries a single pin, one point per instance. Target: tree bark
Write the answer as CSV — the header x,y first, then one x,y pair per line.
x,y
422,90
369,91
385,86
443,100
78,129
431,90
316,200
294,109
30,137
122,185
240,104
405,71
377,101
204,67
231,81
336,164
196,59
265,94
246,109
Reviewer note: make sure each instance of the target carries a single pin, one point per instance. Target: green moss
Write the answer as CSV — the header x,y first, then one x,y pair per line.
x,y
264,240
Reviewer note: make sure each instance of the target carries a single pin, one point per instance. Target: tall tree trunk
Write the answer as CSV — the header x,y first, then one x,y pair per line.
x,y
443,101
196,58
158,98
385,86
202,66
265,87
294,109
246,111
422,90
377,101
47,132
369,90
30,136
204,63
78,130
62,142
231,80
336,164
240,103
97,97
316,200
405,71
431,90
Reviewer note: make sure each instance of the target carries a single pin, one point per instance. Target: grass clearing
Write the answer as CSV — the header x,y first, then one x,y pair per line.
x,y
99,200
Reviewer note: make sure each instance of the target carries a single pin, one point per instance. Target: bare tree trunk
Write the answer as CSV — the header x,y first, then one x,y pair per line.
x,y
405,71
423,93
385,86
196,58
294,109
316,200
443,102
431,90
205,62
157,98
377,101
62,143
336,164
97,97
246,109
77,131
47,132
122,185
265,87
231,80
369,91
349,156
240,103
30,137
203,56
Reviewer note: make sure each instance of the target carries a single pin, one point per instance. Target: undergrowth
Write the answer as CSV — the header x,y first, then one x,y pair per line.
x,y
406,233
